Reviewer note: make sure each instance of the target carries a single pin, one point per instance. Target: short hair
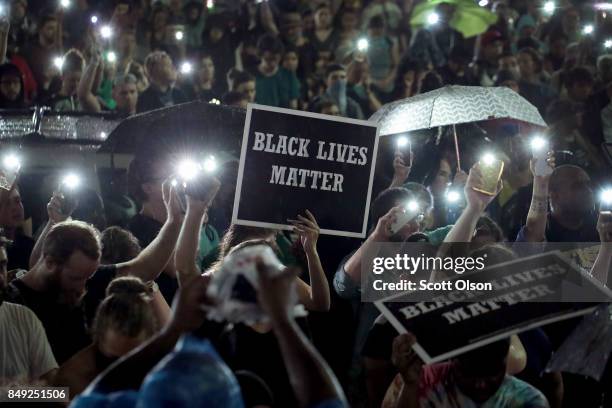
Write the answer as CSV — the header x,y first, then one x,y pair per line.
x,y
125,79
559,174
388,199
535,56
323,103
73,61
490,225
578,75
269,43
67,237
333,68
140,171
125,310
118,245
241,77
232,97
45,18
153,58
376,22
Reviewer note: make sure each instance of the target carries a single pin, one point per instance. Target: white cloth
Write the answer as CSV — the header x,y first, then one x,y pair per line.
x,y
25,353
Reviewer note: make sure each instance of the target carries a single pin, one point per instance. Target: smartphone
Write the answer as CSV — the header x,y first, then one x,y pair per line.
x,y
70,199
201,186
541,167
407,215
491,174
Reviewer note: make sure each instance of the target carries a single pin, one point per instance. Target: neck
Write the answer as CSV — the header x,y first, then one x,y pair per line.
x,y
266,71
37,277
161,87
570,221
154,210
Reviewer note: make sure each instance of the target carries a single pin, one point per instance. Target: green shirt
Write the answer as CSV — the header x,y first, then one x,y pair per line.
x,y
277,90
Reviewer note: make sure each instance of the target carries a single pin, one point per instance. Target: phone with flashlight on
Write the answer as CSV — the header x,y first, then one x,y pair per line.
x,y
410,212
539,151
491,168
403,148
69,189
11,164
195,179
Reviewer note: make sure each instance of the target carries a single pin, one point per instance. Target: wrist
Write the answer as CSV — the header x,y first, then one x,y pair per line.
x,y
474,209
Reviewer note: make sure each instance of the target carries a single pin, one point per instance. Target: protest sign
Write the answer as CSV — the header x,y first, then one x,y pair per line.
x,y
292,161
452,322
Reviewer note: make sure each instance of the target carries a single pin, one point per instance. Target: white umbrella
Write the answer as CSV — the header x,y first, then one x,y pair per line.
x,y
454,104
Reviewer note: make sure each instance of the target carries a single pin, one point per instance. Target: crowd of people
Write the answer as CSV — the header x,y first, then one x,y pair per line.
x,y
113,306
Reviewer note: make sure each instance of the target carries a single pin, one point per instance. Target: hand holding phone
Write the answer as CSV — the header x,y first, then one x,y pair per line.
x,y
491,169
411,211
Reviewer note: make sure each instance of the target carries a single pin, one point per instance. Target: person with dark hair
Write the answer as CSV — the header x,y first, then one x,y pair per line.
x,y
487,64
326,107
530,84
579,84
275,86
335,78
244,82
471,379
430,82
12,94
72,69
456,71
124,320
219,43
118,245
47,45
205,85
324,38
382,54
407,79
235,98
12,218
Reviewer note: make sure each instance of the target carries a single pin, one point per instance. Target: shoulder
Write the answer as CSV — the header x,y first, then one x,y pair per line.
x,y
522,393
20,316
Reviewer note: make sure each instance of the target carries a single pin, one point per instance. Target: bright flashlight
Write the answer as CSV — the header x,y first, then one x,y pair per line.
x,y
549,7
186,68
58,62
433,18
588,29
111,56
179,35
412,206
488,159
606,196
363,44
402,141
210,164
71,181
215,101
11,162
94,19
538,143
608,43
210,4
106,32
188,169
453,196
483,3
65,3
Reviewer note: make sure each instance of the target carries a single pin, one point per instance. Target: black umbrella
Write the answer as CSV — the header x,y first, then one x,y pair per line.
x,y
180,128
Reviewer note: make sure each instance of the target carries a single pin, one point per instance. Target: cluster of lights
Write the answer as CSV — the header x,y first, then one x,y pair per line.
x,y
189,169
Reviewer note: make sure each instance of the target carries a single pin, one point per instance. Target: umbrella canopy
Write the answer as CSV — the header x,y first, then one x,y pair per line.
x,y
184,127
455,104
468,18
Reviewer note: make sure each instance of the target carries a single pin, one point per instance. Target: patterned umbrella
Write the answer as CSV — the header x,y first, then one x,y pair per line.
x,y
454,104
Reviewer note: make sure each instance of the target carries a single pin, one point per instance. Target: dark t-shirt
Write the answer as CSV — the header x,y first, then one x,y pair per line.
x,y
146,229
19,251
152,99
66,327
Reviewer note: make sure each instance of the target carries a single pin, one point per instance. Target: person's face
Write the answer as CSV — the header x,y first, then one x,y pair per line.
x,y
247,88
580,91
11,210
10,87
493,50
127,44
335,76
509,63
126,96
290,61
72,276
216,34
18,11
165,71
160,20
443,177
322,18
49,30
331,110
526,64
113,344
575,194
270,60
207,70
349,21
70,81
571,20
479,387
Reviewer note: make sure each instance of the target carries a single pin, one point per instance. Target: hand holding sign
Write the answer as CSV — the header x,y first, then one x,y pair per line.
x,y
308,229
408,363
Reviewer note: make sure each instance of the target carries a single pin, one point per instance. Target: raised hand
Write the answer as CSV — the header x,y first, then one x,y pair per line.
x,y
54,209
171,201
475,199
308,230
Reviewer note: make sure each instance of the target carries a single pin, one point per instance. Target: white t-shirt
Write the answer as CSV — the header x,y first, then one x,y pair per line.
x,y
25,353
